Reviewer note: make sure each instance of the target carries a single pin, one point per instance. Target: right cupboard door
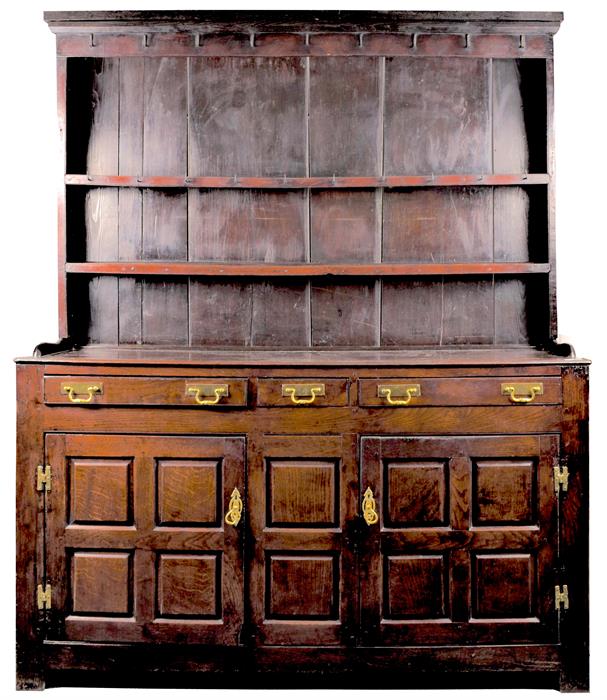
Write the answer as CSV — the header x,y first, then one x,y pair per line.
x,y
465,544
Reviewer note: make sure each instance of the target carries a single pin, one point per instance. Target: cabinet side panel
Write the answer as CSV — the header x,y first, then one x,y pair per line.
x,y
30,452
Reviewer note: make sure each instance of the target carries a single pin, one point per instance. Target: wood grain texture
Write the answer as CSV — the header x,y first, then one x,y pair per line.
x,y
344,315
343,226
451,588
345,96
438,225
120,582
247,225
247,117
436,116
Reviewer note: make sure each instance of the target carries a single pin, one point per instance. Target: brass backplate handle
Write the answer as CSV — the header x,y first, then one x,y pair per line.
x,y
215,391
303,393
235,508
399,394
369,508
78,392
523,392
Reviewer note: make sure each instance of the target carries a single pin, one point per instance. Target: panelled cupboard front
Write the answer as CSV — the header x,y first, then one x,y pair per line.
x,y
325,524
308,412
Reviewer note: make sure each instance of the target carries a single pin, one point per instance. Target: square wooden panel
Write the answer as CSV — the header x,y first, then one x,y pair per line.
x,y
302,493
100,491
188,585
302,586
504,492
468,311
415,586
446,224
102,583
344,315
401,320
504,585
437,116
416,494
188,492
343,225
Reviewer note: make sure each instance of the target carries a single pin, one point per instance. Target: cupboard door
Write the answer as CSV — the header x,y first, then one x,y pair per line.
x,y
302,493
138,548
464,548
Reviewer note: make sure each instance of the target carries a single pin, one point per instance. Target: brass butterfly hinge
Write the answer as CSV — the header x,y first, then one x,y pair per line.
x,y
44,596
43,477
561,478
561,597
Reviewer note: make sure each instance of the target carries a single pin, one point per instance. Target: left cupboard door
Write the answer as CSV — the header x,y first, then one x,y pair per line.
x,y
137,544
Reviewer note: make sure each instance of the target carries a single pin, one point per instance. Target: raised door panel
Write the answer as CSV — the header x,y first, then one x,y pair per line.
x,y
464,548
301,496
137,545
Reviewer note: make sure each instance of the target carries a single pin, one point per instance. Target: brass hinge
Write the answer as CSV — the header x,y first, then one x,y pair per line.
x,y
43,477
561,478
561,597
44,596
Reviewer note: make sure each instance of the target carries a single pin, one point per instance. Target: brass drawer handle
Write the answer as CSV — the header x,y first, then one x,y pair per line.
x,y
217,391
73,392
298,391
369,508
235,509
522,393
390,391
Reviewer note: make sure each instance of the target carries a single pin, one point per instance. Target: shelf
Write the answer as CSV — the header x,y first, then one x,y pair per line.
x,y
211,269
305,182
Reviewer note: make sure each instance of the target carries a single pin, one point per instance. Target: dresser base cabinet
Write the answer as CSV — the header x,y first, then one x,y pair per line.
x,y
469,554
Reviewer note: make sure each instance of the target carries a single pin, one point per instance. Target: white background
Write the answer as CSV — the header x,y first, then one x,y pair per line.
x,y
30,166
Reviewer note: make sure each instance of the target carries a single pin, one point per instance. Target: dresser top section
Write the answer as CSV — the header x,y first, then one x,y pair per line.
x,y
308,21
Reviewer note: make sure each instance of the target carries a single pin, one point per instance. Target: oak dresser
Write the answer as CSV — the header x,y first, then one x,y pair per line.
x,y
308,412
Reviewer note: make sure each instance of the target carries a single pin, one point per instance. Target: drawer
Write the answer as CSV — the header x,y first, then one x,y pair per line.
x,y
198,392
308,392
461,391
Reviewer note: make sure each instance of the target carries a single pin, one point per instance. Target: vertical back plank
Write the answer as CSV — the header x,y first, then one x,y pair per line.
x,y
401,320
130,212
344,315
343,225
165,117
247,116
101,204
344,116
468,311
437,116
279,314
220,313
165,302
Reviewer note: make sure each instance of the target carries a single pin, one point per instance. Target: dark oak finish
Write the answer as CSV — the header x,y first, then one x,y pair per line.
x,y
323,204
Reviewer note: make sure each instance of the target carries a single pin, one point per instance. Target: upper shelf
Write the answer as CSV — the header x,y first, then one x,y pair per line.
x,y
308,182
303,269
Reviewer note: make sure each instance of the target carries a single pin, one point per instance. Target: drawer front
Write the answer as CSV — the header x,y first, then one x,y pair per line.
x,y
461,391
198,392
297,393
